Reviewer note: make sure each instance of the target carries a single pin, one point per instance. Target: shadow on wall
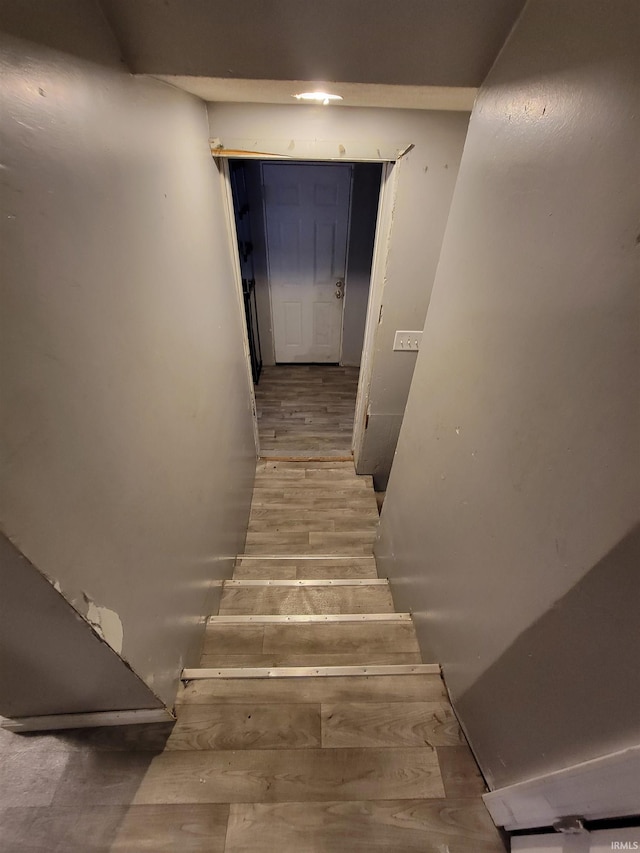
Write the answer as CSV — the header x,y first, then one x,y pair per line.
x,y
568,687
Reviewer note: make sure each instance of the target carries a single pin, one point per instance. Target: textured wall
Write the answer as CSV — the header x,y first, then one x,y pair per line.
x,y
510,522
126,451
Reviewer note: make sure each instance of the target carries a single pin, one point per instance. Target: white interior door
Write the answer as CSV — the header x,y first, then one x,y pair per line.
x,y
307,221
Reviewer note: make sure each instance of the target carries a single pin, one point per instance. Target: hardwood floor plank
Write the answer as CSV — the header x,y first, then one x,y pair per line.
x,y
302,560
281,543
296,464
353,486
319,571
253,570
358,568
382,724
366,524
288,526
345,539
333,475
246,726
165,828
356,501
304,600
269,544
233,639
405,826
295,658
348,514
372,688
267,470
332,638
268,776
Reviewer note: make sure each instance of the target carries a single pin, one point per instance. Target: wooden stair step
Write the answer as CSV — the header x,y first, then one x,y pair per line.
x,y
345,688
374,638
309,543
297,464
305,725
304,569
291,658
384,724
347,514
246,726
290,775
313,522
410,826
308,599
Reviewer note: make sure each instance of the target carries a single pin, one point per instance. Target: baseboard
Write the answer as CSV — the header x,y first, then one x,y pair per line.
x,y
54,722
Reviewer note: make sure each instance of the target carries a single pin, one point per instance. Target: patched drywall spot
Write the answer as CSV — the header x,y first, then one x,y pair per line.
x,y
106,624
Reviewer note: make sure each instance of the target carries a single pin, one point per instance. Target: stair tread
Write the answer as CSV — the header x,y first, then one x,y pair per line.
x,y
342,688
314,638
305,600
312,725
290,775
294,658
302,568
410,826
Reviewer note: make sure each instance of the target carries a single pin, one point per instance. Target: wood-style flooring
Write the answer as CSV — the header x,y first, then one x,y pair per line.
x,y
257,762
306,408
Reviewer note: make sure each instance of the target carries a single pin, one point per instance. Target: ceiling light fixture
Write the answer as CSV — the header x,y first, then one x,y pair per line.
x,y
320,97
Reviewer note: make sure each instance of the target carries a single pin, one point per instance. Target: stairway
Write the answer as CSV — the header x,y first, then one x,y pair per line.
x,y
311,718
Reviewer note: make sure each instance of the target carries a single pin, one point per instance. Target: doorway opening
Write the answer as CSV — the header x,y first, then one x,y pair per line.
x,y
306,233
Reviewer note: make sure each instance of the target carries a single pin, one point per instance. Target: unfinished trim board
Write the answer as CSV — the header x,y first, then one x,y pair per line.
x,y
306,671
605,787
347,150
386,206
54,722
232,236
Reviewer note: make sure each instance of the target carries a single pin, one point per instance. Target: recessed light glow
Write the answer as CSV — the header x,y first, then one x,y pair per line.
x,y
320,97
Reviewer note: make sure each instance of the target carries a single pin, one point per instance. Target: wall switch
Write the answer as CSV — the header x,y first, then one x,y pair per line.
x,y
407,341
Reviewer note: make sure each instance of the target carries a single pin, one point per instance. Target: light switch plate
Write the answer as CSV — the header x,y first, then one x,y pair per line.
x,y
407,341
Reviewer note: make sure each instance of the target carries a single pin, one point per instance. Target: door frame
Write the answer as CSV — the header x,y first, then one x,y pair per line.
x,y
386,203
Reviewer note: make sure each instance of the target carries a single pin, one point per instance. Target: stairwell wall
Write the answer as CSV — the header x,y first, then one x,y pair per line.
x,y
510,525
127,452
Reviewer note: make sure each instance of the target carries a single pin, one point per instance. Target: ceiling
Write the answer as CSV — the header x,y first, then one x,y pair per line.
x,y
223,89
419,54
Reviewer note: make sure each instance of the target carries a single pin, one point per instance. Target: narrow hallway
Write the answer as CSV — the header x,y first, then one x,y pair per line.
x,y
302,758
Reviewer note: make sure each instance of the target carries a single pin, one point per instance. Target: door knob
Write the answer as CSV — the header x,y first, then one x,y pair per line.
x,y
339,294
